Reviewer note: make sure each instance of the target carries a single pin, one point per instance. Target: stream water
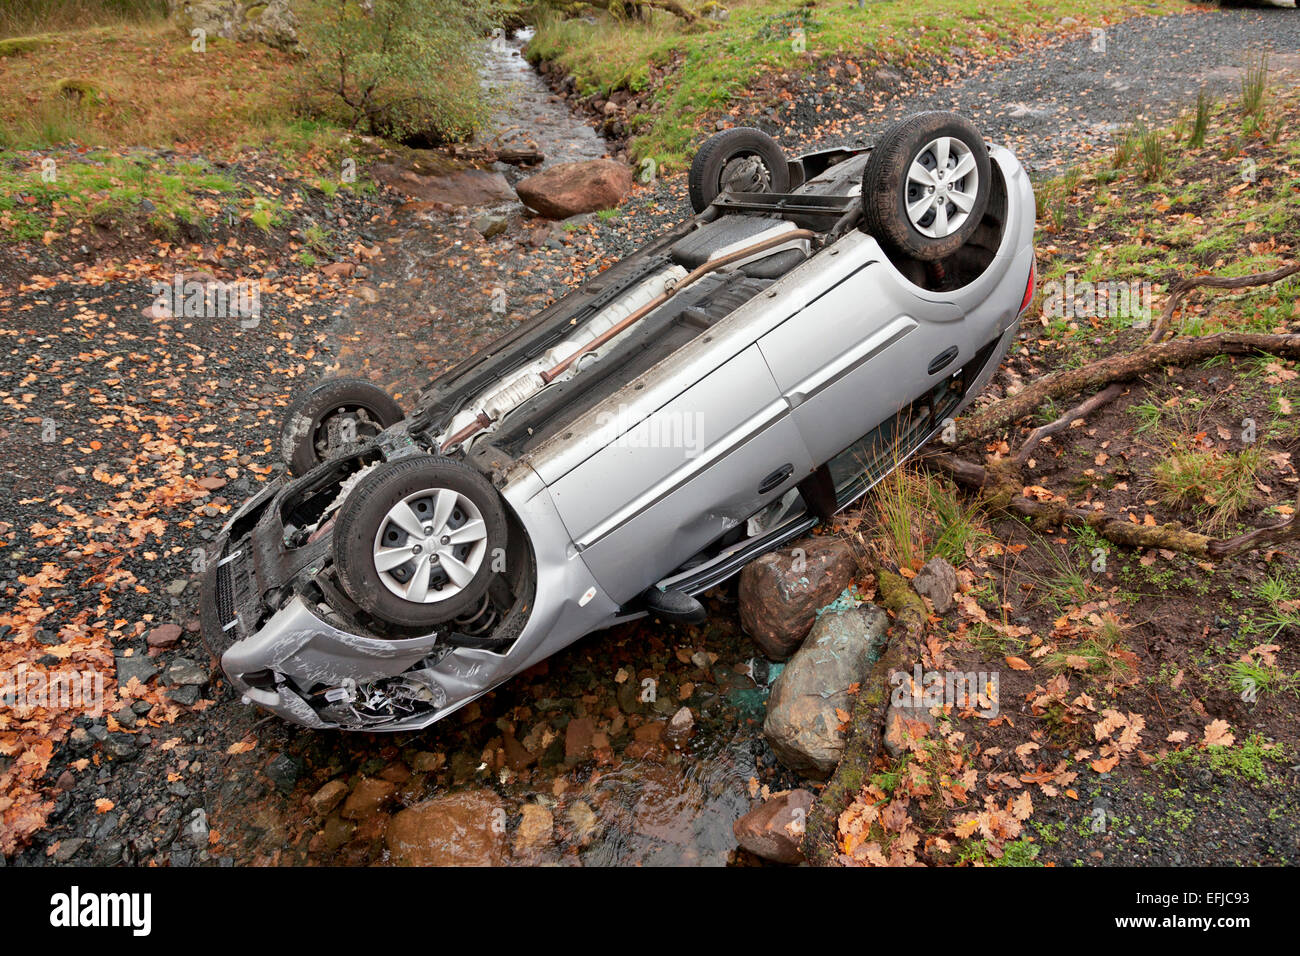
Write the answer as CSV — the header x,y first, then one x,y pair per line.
x,y
527,114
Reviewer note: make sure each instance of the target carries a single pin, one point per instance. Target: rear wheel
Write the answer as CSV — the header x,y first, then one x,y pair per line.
x,y
926,185
331,417
741,159
415,541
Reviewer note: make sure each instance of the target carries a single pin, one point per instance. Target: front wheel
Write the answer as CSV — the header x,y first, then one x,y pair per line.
x,y
926,185
415,541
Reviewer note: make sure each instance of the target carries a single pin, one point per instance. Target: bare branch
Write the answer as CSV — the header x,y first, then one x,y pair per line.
x,y
999,490
1082,410
1118,368
1181,287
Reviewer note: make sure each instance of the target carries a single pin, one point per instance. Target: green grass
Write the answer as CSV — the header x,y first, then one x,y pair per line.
x,y
709,63
1148,415
921,517
31,16
1201,125
1151,151
1254,87
1065,584
1247,760
1213,484
105,188
1281,600
1098,649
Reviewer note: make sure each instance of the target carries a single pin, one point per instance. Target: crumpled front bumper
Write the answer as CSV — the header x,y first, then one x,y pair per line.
x,y
276,664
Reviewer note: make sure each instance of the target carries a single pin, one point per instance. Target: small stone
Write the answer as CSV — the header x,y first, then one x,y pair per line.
x,y
177,587
367,798
518,757
490,224
937,580
582,820
577,738
324,800
121,746
68,849
775,830
164,635
457,829
137,666
186,696
338,270
680,725
427,762
185,672
534,829
282,770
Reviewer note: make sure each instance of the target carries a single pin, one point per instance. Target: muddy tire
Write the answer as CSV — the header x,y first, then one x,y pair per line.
x,y
926,185
742,159
331,417
415,541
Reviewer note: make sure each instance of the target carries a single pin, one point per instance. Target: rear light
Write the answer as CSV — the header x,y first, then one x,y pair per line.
x,y
1029,288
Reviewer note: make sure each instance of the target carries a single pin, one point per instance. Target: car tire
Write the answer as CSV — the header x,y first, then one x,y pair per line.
x,y
741,158
317,425
413,508
912,206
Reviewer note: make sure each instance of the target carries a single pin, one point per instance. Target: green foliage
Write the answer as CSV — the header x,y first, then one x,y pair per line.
x,y
1201,125
106,188
1254,87
406,69
1151,148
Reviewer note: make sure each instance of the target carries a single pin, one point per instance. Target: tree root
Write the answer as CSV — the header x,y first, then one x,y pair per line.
x,y
1118,368
1179,290
866,730
1082,410
1000,490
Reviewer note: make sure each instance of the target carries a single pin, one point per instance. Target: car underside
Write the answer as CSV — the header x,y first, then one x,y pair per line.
x,y
707,399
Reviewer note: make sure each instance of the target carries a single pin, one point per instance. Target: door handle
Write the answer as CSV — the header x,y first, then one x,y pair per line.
x,y
942,360
775,479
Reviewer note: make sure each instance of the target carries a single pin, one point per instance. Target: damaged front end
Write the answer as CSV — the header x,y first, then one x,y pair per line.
x,y
291,641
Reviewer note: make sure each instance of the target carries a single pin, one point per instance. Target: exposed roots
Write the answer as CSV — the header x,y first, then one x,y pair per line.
x,y
1118,368
1000,490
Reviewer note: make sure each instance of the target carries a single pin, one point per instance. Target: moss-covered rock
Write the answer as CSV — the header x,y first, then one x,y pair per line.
x,y
263,21
13,46
78,90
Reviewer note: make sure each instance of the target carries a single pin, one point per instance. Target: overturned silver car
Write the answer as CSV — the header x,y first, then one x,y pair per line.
x,y
707,399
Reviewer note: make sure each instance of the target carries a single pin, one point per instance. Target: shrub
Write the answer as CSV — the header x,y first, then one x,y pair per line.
x,y
405,69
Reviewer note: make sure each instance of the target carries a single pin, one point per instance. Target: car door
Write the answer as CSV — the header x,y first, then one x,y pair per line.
x,y
674,479
856,354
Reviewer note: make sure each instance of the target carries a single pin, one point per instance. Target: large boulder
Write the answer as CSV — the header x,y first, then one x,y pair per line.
x,y
775,829
265,21
569,189
802,724
781,592
458,829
